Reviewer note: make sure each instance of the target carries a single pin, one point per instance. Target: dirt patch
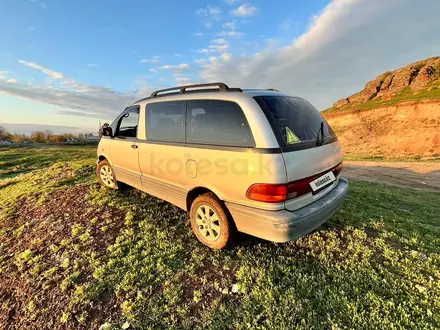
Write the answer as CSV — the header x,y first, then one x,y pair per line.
x,y
34,245
414,175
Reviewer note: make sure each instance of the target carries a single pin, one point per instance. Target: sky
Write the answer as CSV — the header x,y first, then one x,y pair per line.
x,y
66,65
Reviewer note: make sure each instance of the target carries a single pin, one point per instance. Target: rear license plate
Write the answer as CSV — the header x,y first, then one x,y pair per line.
x,y
322,181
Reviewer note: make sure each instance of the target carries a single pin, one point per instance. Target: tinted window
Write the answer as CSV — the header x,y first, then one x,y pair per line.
x,y
165,121
218,123
128,123
296,119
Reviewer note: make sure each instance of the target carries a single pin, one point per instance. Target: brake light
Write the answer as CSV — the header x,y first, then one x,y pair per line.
x,y
337,170
300,187
274,193
269,193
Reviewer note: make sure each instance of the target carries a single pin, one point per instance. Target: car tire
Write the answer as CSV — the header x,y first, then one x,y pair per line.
x,y
211,222
106,176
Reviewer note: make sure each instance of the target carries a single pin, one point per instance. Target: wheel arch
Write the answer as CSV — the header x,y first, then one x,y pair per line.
x,y
196,192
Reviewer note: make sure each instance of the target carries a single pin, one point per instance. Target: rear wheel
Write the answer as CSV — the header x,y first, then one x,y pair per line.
x,y
211,223
105,175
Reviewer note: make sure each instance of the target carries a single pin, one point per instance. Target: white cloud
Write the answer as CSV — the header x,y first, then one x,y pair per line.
x,y
199,34
3,74
347,44
103,101
201,61
183,80
232,2
178,55
230,34
214,49
153,70
12,81
31,29
209,14
91,65
209,11
154,59
227,56
53,74
229,25
219,41
172,67
244,10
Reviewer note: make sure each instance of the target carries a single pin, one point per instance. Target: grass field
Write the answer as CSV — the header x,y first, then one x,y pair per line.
x,y
75,256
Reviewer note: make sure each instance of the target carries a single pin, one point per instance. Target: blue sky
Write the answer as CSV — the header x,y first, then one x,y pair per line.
x,y
72,63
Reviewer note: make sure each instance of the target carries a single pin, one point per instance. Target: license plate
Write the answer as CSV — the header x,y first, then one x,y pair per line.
x,y
322,181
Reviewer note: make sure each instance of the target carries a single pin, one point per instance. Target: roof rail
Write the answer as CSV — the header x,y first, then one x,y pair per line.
x,y
193,88
273,89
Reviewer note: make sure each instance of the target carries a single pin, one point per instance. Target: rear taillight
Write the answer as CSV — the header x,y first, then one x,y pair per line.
x,y
269,193
300,187
275,193
337,170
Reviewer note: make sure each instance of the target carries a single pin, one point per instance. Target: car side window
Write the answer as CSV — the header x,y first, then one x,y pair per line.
x,y
166,121
128,123
217,122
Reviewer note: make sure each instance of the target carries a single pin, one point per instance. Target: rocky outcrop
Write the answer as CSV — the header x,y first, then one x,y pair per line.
x,y
415,77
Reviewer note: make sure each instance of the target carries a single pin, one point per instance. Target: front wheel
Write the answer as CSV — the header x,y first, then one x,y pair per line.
x,y
211,223
105,175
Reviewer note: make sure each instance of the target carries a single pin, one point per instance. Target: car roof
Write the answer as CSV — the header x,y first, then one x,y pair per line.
x,y
207,90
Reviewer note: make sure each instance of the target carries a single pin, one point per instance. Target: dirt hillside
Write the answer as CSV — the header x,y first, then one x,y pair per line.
x,y
405,129
395,115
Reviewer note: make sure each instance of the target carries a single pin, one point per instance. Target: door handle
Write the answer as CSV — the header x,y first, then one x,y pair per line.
x,y
134,146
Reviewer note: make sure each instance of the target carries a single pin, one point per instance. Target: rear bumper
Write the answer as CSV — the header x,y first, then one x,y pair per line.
x,y
283,226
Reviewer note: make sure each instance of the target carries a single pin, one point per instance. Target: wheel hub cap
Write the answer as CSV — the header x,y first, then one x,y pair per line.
x,y
208,222
106,176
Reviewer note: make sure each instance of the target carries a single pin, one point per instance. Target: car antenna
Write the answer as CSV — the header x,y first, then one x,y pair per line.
x,y
131,98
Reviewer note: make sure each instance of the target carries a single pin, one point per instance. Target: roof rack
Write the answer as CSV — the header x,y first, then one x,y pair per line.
x,y
273,89
194,88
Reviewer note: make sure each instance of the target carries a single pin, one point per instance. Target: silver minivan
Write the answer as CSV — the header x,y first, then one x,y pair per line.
x,y
238,160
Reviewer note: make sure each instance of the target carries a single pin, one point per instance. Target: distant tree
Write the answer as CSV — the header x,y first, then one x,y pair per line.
x,y
56,138
38,136
100,130
47,134
4,134
18,138
69,136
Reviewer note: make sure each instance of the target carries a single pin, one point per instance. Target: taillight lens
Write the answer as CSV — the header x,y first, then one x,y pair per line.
x,y
300,187
274,193
337,170
269,193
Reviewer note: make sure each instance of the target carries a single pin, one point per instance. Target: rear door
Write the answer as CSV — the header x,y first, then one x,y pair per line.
x,y
309,145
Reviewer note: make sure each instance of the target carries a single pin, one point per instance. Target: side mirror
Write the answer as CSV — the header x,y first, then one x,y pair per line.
x,y
107,130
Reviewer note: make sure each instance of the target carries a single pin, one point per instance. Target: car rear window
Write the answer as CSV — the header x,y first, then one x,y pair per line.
x,y
295,120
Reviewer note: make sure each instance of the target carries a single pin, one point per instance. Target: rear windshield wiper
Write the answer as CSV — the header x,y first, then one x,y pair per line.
x,y
320,142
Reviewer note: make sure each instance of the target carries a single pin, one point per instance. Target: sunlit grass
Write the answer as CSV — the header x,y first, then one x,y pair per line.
x,y
134,261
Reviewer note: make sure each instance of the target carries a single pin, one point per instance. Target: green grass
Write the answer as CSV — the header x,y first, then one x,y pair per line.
x,y
375,265
406,95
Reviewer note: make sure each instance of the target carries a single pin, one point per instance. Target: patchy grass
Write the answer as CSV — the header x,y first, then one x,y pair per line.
x,y
83,256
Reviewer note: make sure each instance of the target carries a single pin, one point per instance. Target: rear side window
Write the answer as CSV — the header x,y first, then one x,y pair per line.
x,y
165,121
218,123
296,121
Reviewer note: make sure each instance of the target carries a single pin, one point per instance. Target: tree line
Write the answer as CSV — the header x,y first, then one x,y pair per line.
x,y
42,137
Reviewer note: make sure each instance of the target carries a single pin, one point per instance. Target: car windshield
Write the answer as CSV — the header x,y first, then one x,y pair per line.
x,y
296,119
